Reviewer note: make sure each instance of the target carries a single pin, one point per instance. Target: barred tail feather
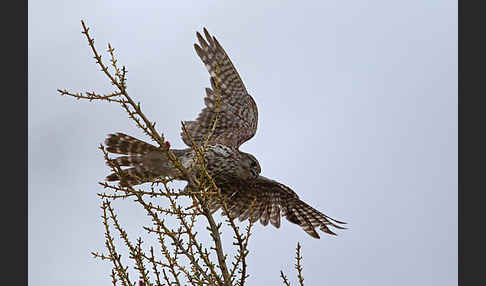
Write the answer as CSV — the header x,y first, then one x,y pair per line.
x,y
131,176
127,160
146,161
120,143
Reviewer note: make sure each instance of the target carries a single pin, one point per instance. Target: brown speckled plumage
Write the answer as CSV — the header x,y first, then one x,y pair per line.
x,y
238,117
236,173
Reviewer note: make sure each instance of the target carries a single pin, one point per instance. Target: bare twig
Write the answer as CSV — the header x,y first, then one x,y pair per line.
x,y
298,265
284,278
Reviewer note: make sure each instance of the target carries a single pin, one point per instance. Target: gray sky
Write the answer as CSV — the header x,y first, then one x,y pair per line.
x,y
357,114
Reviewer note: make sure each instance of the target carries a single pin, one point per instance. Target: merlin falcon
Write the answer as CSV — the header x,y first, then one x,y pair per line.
x,y
236,173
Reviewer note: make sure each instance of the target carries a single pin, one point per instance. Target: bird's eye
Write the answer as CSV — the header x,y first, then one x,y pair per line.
x,y
253,164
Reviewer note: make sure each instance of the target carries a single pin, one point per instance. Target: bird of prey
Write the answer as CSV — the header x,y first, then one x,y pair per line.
x,y
236,173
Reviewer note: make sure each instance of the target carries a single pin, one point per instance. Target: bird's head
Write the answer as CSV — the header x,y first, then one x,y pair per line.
x,y
249,168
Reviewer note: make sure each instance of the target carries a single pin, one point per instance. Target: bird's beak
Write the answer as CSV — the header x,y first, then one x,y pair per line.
x,y
254,173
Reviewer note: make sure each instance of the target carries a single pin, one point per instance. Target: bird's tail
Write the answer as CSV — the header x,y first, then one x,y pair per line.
x,y
146,160
120,143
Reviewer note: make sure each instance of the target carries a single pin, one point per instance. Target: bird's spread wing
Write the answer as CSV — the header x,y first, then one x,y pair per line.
x,y
267,200
238,114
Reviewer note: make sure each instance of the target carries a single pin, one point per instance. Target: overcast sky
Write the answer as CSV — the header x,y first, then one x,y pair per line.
x,y
357,114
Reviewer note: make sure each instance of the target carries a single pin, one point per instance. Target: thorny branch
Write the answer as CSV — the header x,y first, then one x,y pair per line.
x,y
298,267
182,257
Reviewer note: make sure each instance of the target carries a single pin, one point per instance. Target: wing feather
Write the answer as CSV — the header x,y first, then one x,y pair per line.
x,y
273,201
238,113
